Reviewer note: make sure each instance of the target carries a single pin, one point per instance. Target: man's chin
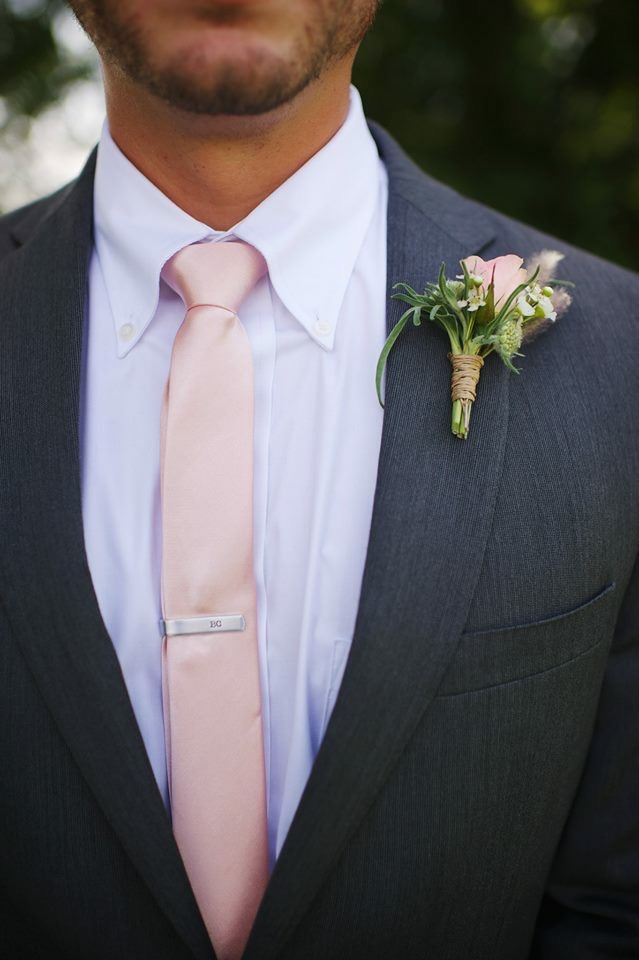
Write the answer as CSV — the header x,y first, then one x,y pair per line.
x,y
241,82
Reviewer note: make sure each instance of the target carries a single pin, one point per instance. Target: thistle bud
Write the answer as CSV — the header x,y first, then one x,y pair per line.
x,y
510,338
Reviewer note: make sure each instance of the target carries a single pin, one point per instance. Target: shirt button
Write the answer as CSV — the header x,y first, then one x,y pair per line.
x,y
322,328
126,331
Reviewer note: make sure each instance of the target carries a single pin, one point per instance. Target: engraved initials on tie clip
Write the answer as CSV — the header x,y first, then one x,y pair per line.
x,y
213,623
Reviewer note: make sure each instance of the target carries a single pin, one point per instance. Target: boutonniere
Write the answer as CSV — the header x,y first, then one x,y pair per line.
x,y
491,306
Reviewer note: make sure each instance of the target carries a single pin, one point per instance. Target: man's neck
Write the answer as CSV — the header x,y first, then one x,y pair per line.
x,y
218,169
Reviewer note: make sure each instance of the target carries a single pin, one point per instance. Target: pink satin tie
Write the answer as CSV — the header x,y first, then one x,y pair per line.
x,y
211,678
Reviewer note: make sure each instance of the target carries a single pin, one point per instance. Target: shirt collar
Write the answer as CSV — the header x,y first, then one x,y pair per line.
x,y
310,231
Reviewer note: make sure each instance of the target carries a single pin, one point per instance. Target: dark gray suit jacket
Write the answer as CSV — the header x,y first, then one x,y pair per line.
x,y
477,791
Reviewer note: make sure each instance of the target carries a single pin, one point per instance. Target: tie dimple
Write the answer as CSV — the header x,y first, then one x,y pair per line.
x,y
217,274
211,677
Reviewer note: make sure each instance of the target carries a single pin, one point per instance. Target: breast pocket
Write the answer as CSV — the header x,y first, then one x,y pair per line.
x,y
486,658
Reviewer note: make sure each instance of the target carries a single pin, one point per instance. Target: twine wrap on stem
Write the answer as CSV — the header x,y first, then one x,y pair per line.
x,y
466,370
465,377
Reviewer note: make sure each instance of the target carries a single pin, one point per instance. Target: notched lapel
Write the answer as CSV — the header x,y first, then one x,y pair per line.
x,y
432,514
45,581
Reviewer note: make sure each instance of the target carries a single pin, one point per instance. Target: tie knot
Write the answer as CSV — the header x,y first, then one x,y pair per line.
x,y
216,274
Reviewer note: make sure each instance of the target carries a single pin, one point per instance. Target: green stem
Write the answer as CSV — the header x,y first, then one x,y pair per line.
x,y
460,420
457,420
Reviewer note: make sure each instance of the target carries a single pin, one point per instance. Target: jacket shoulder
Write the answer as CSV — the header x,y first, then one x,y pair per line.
x,y
607,294
17,224
515,236
580,266
451,210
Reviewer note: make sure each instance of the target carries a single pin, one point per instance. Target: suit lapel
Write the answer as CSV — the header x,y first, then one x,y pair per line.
x,y
432,515
45,582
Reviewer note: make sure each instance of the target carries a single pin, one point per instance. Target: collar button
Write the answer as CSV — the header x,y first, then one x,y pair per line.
x,y
126,332
322,328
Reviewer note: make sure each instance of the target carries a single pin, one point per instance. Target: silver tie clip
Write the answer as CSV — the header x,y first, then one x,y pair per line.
x,y
213,623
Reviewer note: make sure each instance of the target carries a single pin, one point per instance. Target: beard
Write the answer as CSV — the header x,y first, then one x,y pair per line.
x,y
250,81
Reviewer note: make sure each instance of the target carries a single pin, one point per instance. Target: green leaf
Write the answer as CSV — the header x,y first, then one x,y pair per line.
x,y
508,362
445,292
507,359
441,280
450,325
388,346
407,287
406,298
484,340
487,313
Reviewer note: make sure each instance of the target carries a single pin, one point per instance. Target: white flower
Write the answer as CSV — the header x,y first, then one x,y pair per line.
x,y
475,299
545,308
533,291
524,307
462,303
535,302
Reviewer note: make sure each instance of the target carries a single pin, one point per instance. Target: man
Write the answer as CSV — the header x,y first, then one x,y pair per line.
x,y
390,706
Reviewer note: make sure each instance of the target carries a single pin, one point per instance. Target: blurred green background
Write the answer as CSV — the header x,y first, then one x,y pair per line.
x,y
531,106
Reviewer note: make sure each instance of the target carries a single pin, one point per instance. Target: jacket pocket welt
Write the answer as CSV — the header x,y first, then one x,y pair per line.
x,y
503,654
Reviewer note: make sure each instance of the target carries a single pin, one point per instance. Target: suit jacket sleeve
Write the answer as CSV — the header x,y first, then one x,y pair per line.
x,y
590,909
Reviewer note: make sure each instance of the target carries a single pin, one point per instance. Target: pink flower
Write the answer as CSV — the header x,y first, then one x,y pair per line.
x,y
507,272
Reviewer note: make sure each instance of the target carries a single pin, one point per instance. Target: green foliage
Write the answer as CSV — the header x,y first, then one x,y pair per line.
x,y
34,70
531,106
388,346
466,310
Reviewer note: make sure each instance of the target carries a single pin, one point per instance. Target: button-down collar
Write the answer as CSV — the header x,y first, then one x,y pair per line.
x,y
310,231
